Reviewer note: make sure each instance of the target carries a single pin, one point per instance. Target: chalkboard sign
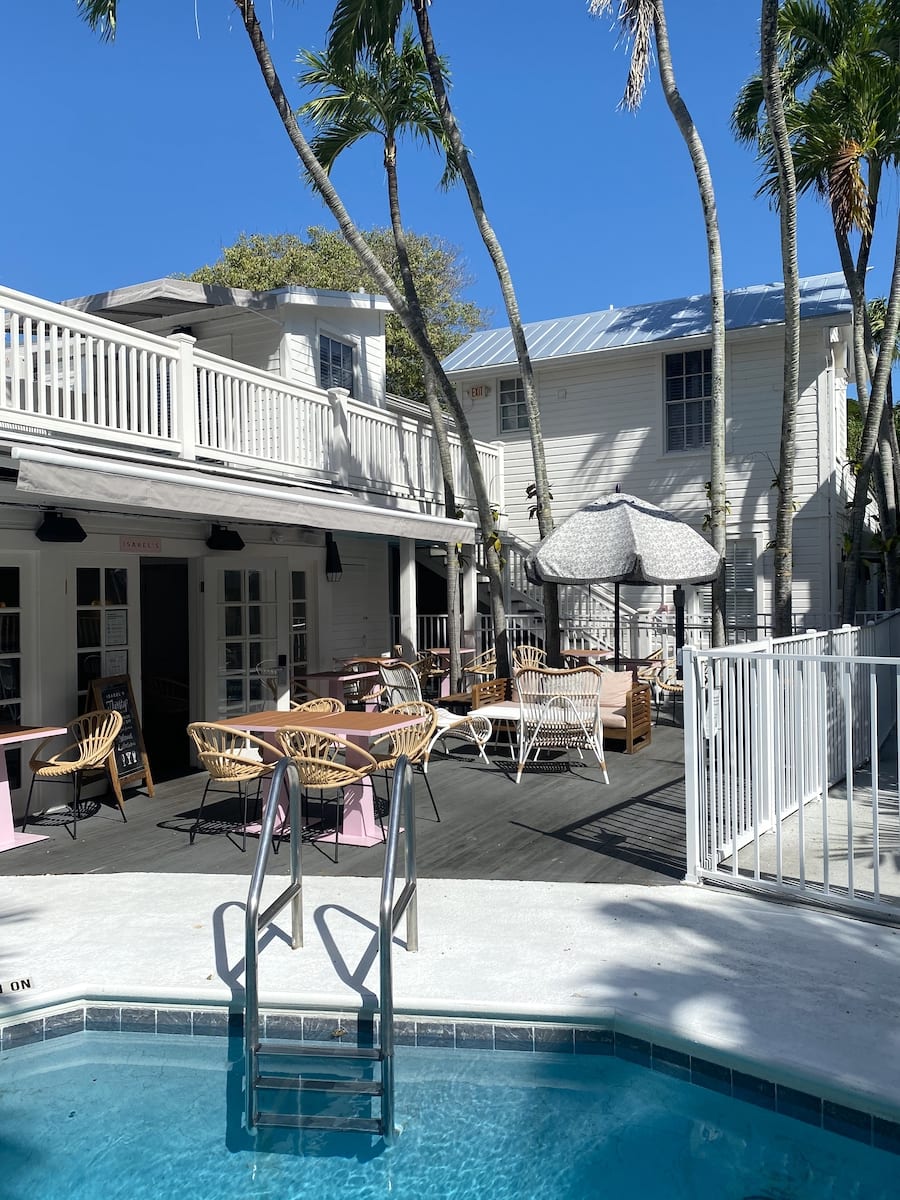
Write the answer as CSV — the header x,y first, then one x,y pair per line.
x,y
130,763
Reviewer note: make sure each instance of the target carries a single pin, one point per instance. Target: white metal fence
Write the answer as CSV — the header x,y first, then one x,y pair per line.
x,y
792,763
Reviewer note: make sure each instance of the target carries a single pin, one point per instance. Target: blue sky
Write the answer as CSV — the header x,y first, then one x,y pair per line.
x,y
129,161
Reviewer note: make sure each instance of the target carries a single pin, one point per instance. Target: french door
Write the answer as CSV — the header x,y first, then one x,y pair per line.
x,y
247,624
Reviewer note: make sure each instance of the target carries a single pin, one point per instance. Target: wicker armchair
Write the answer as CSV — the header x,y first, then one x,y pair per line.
x,y
230,756
559,710
412,740
400,685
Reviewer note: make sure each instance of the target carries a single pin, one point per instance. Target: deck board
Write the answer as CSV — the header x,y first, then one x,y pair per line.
x,y
560,824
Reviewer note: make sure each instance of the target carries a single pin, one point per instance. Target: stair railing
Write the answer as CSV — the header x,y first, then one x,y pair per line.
x,y
286,772
402,811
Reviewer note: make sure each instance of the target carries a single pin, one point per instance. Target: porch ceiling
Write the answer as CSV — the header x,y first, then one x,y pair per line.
x,y
111,485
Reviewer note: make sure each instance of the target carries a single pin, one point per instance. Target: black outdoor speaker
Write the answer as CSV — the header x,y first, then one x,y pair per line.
x,y
221,538
57,528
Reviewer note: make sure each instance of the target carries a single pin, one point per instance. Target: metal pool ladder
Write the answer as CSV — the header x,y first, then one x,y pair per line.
x,y
282,1073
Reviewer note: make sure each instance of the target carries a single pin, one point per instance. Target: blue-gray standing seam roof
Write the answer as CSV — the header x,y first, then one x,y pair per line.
x,y
820,296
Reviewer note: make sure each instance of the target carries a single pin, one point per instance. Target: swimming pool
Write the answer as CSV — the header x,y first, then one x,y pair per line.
x,y
110,1115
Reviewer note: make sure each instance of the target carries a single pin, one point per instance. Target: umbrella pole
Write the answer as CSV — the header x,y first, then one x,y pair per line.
x,y
616,630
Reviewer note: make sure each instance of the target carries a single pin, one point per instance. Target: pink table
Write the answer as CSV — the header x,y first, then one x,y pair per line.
x,y
360,826
13,735
333,681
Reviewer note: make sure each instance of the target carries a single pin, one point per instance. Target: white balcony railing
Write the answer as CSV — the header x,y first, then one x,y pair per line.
x,y
72,374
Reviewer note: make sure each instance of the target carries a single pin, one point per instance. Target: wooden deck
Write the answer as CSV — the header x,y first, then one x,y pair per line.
x,y
561,823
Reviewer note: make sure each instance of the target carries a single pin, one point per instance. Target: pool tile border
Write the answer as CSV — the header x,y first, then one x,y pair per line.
x,y
845,1120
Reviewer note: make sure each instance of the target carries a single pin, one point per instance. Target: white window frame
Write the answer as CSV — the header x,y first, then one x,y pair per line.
x,y
680,402
517,390
347,343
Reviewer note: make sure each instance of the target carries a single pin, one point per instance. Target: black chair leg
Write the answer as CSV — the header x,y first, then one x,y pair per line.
x,y
437,815
77,785
196,825
28,804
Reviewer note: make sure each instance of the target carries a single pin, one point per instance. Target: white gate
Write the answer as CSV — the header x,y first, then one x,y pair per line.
x,y
792,764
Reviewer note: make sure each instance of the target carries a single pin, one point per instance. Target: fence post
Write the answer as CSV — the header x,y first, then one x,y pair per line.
x,y
185,398
692,789
340,435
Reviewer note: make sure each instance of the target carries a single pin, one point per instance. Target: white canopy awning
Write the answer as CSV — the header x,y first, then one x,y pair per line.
x,y
111,484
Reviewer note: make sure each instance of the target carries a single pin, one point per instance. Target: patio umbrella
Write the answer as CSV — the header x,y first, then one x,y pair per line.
x,y
622,539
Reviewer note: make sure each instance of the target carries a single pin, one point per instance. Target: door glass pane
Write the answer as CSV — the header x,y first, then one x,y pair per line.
x,y
87,585
10,633
116,585
88,629
231,583
234,621
9,587
253,586
254,621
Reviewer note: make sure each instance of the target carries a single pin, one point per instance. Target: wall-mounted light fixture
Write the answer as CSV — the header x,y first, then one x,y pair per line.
x,y
57,528
333,568
221,538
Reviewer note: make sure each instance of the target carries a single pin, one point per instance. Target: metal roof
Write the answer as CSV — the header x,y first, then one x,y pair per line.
x,y
820,296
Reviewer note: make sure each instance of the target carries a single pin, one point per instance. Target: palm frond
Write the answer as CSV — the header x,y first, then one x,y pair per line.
x,y
359,26
100,15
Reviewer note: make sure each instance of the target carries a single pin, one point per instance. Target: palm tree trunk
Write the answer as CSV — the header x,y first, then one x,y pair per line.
x,y
869,439
787,211
413,327
494,249
717,494
437,413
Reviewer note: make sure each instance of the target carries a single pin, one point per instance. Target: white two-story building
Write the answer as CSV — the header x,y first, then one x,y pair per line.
x,y
180,463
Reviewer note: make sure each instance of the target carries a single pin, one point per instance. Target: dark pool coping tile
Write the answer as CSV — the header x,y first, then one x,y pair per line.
x,y
886,1135
210,1022
671,1062
288,1026
514,1037
436,1033
138,1019
474,1035
174,1020
62,1023
711,1075
23,1033
551,1039
802,1105
404,1033
103,1018
753,1090
633,1049
849,1122
594,1041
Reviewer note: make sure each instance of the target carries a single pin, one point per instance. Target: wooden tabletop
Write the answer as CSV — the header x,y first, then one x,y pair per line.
x,y
10,733
351,722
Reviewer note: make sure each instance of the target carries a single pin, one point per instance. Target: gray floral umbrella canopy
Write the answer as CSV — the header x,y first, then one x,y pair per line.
x,y
622,539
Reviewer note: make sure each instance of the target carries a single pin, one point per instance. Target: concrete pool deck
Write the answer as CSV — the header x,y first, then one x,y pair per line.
x,y
809,994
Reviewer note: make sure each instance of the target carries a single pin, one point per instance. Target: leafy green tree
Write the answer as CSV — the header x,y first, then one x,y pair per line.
x,y
643,23
323,259
102,15
840,70
361,27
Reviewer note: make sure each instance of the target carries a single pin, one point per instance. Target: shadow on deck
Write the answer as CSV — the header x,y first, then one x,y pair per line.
x,y
560,824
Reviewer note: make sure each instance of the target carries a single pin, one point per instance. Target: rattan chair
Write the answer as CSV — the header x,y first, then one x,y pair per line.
x,y
526,655
559,710
93,744
412,740
229,756
483,666
317,755
667,683
400,685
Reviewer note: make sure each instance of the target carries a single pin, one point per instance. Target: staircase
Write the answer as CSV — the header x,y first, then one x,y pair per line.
x,y
329,1086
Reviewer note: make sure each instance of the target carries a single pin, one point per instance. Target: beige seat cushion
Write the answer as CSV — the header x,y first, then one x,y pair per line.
x,y
614,687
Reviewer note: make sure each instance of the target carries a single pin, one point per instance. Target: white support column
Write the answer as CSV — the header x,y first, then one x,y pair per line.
x,y
408,600
185,395
340,435
470,601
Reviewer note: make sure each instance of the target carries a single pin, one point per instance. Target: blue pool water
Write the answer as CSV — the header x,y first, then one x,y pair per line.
x,y
106,1116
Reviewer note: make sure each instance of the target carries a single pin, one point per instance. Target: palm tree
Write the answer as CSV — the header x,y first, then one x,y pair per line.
x,y
361,26
643,23
840,70
388,95
787,210
102,16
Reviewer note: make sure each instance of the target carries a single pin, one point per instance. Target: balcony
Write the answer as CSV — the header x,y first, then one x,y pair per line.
x,y
73,377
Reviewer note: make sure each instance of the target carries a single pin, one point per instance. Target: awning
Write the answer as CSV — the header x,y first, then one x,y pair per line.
x,y
75,478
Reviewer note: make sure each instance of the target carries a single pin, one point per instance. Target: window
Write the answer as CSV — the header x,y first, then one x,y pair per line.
x,y
513,413
740,586
688,403
335,364
101,627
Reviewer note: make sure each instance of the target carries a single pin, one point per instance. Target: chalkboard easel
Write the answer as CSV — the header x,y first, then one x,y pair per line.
x,y
128,763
